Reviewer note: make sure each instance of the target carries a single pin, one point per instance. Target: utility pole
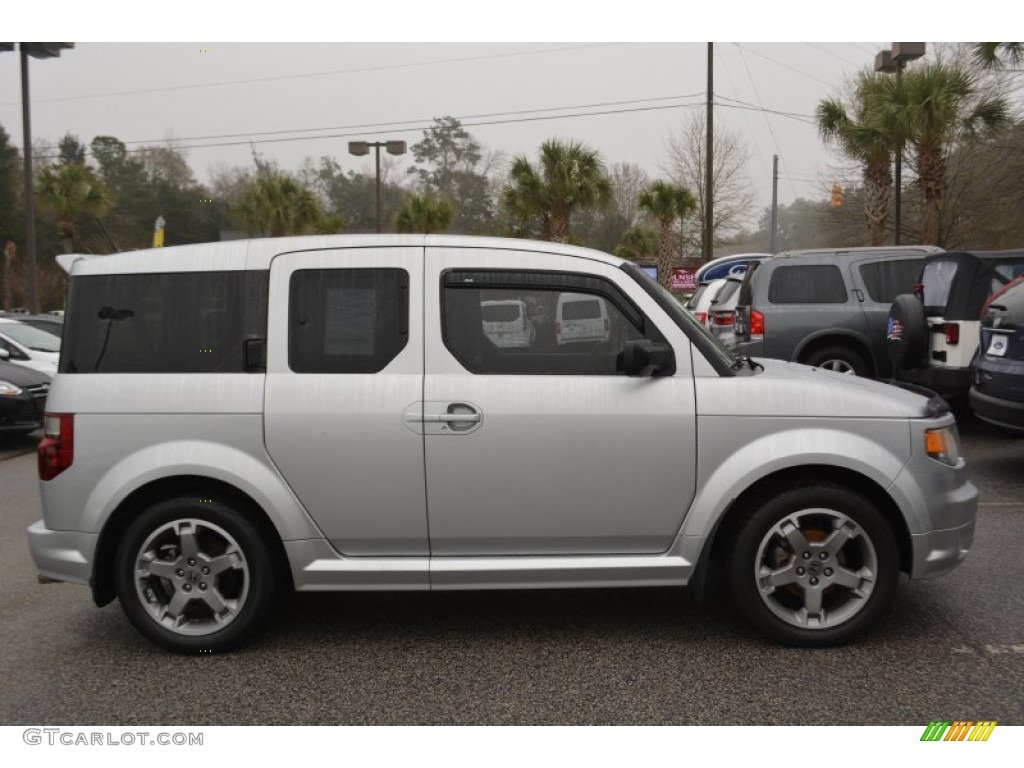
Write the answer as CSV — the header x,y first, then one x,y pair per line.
x,y
709,169
775,204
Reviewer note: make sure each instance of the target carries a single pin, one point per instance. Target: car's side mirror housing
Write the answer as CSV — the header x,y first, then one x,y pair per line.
x,y
4,354
644,357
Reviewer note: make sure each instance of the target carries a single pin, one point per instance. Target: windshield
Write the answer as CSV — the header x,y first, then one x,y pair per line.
x,y
714,350
33,338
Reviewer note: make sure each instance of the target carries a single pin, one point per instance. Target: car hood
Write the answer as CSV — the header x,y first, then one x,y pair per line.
x,y
21,376
791,389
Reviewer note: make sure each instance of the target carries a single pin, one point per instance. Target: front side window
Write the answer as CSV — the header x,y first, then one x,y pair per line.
x,y
807,284
347,320
539,323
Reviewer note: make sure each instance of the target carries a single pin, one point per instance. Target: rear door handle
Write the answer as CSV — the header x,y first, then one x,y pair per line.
x,y
444,418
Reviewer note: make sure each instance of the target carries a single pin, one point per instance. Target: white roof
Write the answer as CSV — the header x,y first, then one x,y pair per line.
x,y
256,254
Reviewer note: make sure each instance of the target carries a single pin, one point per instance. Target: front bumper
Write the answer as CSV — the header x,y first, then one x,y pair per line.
x,y
938,552
62,555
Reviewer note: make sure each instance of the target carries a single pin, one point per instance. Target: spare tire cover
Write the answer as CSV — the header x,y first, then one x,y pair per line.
x,y
906,333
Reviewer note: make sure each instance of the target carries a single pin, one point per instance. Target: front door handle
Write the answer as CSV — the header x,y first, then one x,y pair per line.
x,y
458,418
442,418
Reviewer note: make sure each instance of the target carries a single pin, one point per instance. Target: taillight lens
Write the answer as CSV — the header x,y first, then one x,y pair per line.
x,y
952,333
702,317
722,318
756,324
56,450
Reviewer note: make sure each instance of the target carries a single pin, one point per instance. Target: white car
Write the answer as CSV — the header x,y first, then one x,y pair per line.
x,y
700,302
581,317
27,346
506,324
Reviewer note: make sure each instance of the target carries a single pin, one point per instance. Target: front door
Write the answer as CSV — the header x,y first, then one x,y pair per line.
x,y
547,448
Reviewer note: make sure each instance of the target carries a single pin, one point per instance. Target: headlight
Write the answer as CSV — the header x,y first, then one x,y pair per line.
x,y
942,445
6,388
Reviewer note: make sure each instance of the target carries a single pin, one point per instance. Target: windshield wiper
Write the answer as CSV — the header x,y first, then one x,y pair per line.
x,y
745,360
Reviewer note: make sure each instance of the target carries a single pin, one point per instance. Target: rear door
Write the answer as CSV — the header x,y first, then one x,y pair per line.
x,y
550,449
343,392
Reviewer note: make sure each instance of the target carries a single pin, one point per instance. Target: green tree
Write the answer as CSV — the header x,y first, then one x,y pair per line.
x,y
351,196
68,192
665,202
997,55
637,244
934,109
452,167
570,176
275,204
426,213
70,150
869,143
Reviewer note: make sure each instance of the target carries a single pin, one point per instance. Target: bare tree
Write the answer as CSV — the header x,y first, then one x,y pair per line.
x,y
628,180
733,197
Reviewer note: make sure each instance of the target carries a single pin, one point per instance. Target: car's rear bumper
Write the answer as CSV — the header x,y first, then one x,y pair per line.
x,y
1008,414
62,555
947,382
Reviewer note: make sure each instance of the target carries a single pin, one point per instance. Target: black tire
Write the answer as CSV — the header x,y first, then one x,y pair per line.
x,y
906,333
816,601
233,568
840,359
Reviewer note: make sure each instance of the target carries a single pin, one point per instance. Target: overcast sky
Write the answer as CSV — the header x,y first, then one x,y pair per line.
x,y
289,101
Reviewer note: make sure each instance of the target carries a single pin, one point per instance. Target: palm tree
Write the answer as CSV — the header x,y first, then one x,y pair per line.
x,y
665,202
275,204
69,191
867,142
637,243
995,55
425,213
932,108
570,176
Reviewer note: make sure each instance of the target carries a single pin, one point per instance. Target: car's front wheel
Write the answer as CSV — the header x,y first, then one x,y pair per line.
x,y
194,575
815,565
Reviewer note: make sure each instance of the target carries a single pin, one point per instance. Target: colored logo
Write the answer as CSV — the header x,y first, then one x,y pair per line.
x,y
959,730
894,330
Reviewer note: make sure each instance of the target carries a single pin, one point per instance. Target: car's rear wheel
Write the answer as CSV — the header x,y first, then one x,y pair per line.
x,y
839,359
815,565
194,575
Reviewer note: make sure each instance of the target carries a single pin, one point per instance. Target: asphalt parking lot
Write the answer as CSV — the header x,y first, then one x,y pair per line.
x,y
951,648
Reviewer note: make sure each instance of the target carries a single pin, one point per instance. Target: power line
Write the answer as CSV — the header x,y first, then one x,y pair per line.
x,y
353,70
757,94
784,66
757,147
833,54
418,122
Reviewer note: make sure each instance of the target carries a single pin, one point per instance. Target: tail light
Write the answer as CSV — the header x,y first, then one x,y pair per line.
x,y
952,333
56,450
722,318
702,317
756,324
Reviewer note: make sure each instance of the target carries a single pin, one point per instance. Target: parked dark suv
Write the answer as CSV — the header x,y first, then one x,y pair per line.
x,y
997,394
827,307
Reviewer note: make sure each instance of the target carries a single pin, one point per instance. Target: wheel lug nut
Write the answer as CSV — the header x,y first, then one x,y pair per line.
x,y
202,585
206,570
814,581
828,571
180,571
187,587
807,555
800,571
823,555
191,561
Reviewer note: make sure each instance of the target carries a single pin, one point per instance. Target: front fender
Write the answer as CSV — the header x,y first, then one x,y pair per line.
x,y
738,452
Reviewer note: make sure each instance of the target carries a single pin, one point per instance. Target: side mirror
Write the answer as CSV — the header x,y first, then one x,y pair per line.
x,y
4,354
645,358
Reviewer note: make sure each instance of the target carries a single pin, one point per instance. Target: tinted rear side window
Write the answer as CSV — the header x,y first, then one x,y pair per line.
x,y
885,280
347,320
807,284
174,322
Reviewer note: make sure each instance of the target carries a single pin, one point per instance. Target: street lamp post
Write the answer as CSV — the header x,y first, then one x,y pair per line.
x,y
895,60
361,148
37,51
